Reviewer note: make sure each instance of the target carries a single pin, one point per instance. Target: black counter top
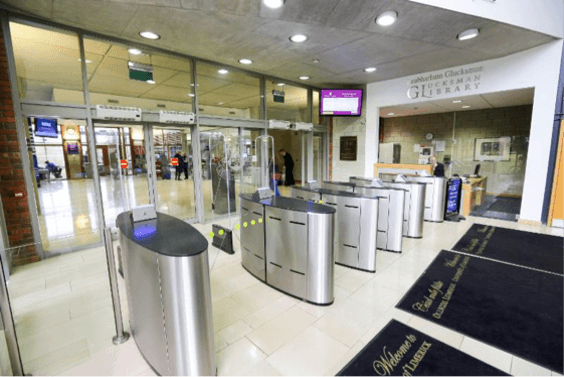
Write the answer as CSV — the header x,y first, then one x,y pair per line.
x,y
165,235
341,183
290,204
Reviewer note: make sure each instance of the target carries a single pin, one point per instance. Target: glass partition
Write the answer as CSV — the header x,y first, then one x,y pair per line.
x,y
315,108
227,93
47,63
123,76
293,106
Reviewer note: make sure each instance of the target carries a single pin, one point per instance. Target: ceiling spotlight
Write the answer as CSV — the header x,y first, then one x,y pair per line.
x,y
468,34
304,77
315,61
391,114
220,103
457,101
134,51
222,71
280,84
298,38
387,18
274,4
150,81
149,35
88,61
369,69
465,106
245,61
191,95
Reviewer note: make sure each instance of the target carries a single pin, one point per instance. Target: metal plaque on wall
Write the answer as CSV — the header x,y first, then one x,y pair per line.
x,y
348,148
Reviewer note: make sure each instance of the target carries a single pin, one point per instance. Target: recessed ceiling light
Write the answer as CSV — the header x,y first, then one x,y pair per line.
x,y
280,84
191,95
391,114
149,35
274,4
135,51
465,106
369,69
245,61
88,61
298,38
222,71
150,81
457,101
220,103
315,61
304,77
387,18
468,34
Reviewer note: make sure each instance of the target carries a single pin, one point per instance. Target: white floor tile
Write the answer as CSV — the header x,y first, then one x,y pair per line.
x,y
310,354
438,332
488,354
227,312
239,357
261,316
346,332
264,368
520,367
234,332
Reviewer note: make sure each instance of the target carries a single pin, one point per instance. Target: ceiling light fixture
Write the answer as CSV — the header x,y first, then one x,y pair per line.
x,y
245,61
191,95
149,35
150,82
298,38
457,101
88,61
220,103
369,69
222,71
315,61
391,114
468,34
465,107
387,18
304,77
134,51
274,4
280,84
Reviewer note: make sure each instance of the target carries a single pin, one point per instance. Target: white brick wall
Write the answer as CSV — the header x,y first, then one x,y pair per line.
x,y
348,126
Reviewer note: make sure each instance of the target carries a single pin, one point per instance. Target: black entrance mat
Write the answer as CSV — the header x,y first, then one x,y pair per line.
x,y
506,205
533,250
515,309
401,350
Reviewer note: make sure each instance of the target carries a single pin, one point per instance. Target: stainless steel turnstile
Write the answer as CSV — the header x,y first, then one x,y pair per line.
x,y
338,186
390,217
166,272
435,197
297,248
356,224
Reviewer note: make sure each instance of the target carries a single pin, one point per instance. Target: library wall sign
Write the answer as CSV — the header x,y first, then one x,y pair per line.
x,y
450,81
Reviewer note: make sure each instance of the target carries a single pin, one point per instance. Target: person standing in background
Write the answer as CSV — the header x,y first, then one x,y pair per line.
x,y
437,167
179,167
289,164
185,165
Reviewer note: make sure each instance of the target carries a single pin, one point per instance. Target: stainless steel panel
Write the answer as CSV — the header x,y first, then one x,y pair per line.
x,y
146,320
414,207
347,228
395,221
435,197
286,250
337,186
321,262
187,309
368,234
299,193
252,239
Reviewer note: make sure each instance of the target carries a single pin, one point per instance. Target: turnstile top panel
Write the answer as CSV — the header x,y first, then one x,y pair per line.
x,y
165,235
291,204
327,191
381,188
340,183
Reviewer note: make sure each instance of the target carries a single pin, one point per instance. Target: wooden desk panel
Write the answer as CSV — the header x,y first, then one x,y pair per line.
x,y
474,194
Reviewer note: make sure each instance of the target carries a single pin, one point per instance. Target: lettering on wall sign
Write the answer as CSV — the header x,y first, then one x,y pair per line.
x,y
451,81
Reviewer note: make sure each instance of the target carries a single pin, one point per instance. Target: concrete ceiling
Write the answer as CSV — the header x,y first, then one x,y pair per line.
x,y
476,102
342,34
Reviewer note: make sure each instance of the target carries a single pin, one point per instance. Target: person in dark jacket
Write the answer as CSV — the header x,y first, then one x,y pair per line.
x,y
179,167
289,164
185,165
438,168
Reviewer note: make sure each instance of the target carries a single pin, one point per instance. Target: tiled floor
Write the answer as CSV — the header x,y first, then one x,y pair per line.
x,y
64,317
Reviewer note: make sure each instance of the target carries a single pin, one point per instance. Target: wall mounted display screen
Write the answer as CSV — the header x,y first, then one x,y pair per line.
x,y
46,127
341,102
72,148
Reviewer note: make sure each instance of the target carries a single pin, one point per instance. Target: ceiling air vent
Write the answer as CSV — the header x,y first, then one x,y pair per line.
x,y
182,117
279,124
299,126
113,101
161,105
118,113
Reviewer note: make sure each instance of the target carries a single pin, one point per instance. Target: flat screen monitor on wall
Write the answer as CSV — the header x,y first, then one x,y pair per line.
x,y
341,102
46,127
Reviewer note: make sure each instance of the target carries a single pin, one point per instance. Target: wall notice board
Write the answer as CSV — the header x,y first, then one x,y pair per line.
x,y
347,151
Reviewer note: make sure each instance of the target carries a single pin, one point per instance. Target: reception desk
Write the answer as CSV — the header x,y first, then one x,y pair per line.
x,y
166,271
288,244
473,193
356,224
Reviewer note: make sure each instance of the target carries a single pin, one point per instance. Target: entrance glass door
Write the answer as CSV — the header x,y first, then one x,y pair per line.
x,y
175,184
318,155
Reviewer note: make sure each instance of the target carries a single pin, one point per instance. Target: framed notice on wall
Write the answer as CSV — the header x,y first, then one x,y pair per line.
x,y
348,148
492,149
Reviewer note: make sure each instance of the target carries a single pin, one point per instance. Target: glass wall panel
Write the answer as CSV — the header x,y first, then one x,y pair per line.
x,y
315,108
294,107
47,63
175,184
227,93
116,77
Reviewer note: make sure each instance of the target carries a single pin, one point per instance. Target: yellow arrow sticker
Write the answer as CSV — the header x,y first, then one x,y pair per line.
x,y
212,234
236,226
253,222
220,232
260,221
245,224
